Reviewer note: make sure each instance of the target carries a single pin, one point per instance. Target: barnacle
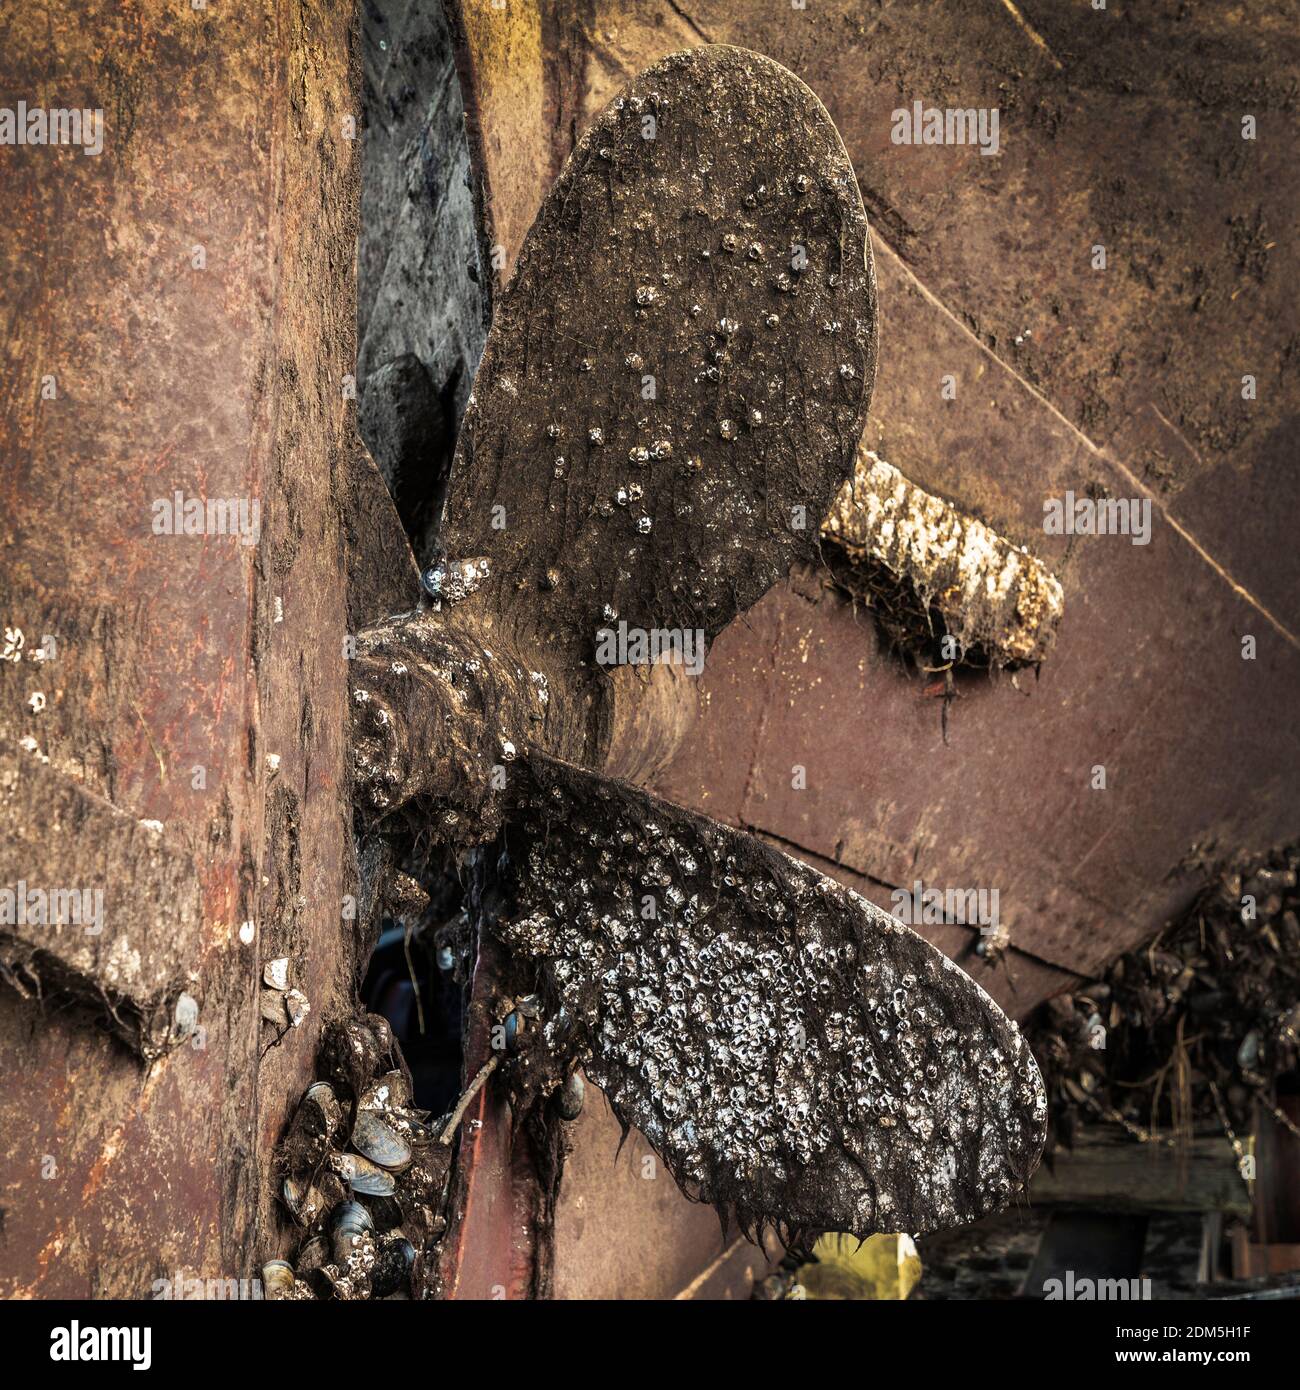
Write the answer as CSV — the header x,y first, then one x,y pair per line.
x,y
798,1057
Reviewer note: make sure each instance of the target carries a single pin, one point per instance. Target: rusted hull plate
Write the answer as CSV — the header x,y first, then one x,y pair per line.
x,y
617,1202
180,319
94,904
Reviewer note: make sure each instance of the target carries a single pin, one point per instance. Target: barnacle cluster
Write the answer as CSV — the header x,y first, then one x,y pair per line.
x,y
929,569
793,1053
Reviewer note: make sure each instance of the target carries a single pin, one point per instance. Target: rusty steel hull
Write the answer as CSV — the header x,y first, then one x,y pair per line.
x,y
189,294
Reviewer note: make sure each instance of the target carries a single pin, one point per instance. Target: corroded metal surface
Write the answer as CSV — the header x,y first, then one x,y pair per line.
x,y
223,130
1008,801
544,587
444,698
186,294
622,1226
437,703
126,940
442,703
382,575
497,1245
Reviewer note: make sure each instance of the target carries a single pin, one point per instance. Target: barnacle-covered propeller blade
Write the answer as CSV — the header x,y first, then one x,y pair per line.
x,y
678,373
795,1055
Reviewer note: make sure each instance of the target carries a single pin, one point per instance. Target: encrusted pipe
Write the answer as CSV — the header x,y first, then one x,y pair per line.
x,y
991,593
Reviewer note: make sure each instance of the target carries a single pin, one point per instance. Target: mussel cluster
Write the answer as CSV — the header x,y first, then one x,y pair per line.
x,y
363,1175
1194,1028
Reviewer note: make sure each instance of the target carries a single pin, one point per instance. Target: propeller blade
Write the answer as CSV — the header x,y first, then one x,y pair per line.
x,y
678,374
794,1054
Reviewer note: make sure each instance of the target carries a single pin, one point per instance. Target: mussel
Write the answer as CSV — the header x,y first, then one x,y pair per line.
x,y
391,1090
321,1094
277,1278
380,1143
312,1129
361,1175
392,1266
314,1253
351,1221
305,1200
